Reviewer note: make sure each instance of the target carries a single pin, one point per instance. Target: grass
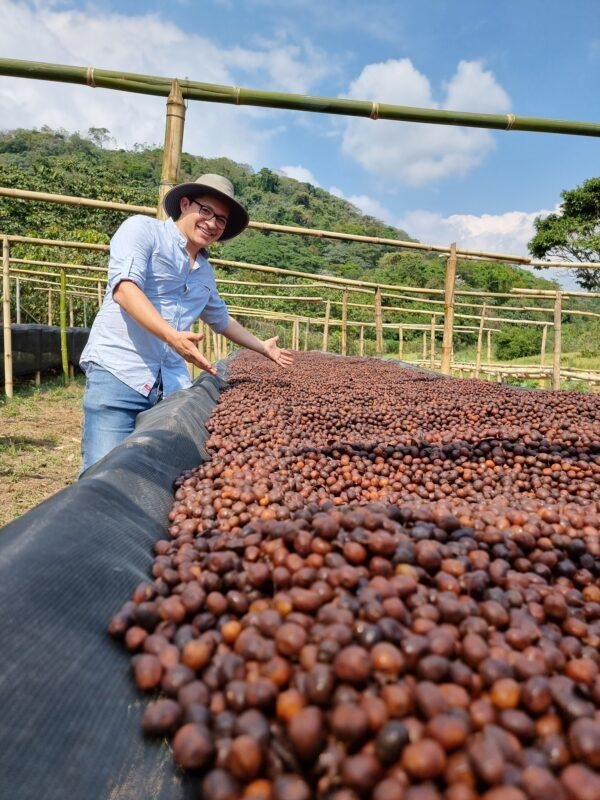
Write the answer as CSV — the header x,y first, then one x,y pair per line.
x,y
40,430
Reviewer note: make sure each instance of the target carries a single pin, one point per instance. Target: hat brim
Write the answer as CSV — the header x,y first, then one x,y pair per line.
x,y
238,216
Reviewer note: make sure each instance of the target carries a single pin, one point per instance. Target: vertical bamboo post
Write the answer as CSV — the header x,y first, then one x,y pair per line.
x,y
99,295
71,313
556,352
84,313
18,300
361,341
345,322
480,342
450,280
49,306
38,378
326,326
543,355
543,347
378,323
432,344
424,347
63,325
489,347
306,336
214,345
295,334
400,342
173,144
6,329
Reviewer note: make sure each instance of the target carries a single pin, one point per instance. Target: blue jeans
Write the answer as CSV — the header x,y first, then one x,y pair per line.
x,y
110,409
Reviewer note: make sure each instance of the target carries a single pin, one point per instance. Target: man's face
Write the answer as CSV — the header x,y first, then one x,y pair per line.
x,y
199,231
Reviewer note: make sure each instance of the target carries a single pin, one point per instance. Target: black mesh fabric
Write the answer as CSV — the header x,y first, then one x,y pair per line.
x,y
69,710
37,347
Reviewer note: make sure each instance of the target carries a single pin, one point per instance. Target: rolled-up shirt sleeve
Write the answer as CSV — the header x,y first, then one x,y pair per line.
x,y
130,251
215,312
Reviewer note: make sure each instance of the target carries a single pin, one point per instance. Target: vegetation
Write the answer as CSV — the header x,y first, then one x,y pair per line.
x,y
573,233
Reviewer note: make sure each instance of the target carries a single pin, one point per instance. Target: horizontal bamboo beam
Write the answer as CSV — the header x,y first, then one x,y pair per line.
x,y
551,293
18,271
236,95
34,262
55,286
267,314
57,242
273,297
130,208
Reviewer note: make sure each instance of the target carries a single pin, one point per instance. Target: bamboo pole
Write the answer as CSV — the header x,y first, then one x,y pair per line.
x,y
296,334
173,144
49,306
543,354
306,335
432,344
401,341
85,313
326,326
543,347
489,346
361,341
63,326
60,264
378,323
424,346
556,352
71,313
236,95
99,294
6,329
450,281
479,343
18,300
345,322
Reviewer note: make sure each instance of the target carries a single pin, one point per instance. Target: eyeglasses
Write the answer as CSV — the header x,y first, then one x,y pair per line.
x,y
208,214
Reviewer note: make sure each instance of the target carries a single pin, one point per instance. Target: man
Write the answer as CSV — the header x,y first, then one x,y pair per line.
x,y
159,283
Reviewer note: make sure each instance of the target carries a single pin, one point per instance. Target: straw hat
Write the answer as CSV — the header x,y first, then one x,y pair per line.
x,y
218,186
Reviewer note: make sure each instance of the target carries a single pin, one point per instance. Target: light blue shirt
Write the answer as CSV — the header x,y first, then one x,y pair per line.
x,y
152,254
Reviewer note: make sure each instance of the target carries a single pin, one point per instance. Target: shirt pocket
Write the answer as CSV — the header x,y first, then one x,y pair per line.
x,y
167,277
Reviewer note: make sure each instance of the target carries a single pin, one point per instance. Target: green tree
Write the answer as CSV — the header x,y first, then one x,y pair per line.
x,y
573,233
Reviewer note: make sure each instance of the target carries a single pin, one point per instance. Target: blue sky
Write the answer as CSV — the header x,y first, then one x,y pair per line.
x,y
482,188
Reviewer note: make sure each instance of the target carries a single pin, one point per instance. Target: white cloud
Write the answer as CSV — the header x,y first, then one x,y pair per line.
x,y
149,44
299,173
368,205
500,233
417,154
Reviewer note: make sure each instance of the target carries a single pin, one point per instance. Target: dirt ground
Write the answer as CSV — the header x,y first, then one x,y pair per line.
x,y
40,433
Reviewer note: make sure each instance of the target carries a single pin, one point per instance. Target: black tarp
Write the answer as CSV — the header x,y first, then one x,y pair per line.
x,y
69,710
37,347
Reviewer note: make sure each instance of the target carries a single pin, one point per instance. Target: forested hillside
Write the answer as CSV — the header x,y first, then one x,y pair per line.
x,y
56,161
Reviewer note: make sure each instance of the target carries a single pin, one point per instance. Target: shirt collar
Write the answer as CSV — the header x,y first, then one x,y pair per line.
x,y
175,233
180,239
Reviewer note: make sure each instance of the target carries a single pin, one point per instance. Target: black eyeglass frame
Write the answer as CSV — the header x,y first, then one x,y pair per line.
x,y
207,213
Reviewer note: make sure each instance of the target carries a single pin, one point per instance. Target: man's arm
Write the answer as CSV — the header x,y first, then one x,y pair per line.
x,y
133,300
240,335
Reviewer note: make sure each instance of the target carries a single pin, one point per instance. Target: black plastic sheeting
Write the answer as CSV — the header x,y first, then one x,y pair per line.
x,y
69,709
37,347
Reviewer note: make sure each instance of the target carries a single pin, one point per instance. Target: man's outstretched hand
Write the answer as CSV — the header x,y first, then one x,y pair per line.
x,y
186,344
282,357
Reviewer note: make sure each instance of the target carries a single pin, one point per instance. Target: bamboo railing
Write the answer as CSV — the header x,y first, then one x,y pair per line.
x,y
72,279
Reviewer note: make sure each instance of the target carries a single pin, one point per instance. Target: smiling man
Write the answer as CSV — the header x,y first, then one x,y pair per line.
x,y
159,283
